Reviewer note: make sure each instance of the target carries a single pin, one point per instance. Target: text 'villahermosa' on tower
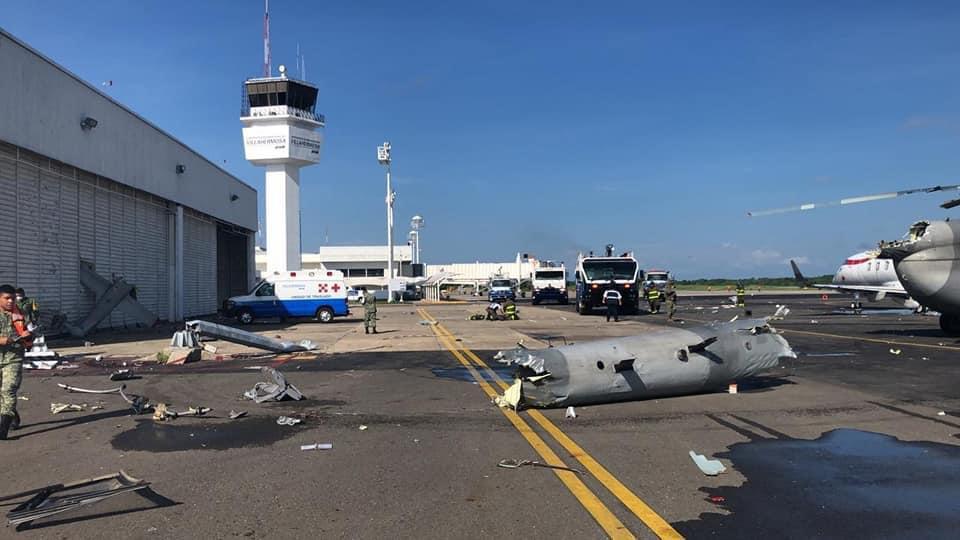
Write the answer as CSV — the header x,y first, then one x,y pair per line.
x,y
282,132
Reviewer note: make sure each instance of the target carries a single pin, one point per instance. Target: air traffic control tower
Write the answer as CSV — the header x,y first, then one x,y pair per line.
x,y
280,132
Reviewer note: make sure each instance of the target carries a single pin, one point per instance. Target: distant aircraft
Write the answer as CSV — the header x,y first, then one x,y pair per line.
x,y
863,274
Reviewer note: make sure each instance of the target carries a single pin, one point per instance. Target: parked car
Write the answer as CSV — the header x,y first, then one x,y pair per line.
x,y
354,295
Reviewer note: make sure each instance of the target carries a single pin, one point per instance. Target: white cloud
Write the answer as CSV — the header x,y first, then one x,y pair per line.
x,y
762,256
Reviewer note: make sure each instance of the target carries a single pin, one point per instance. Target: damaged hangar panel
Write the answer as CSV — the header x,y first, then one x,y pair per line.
x,y
659,364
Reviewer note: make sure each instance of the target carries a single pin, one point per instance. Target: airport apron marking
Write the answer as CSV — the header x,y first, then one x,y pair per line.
x,y
604,517
636,505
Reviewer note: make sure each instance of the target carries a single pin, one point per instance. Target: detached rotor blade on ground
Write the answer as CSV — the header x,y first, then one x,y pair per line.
x,y
852,200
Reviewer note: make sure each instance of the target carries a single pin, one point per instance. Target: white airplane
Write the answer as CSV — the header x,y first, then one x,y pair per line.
x,y
863,274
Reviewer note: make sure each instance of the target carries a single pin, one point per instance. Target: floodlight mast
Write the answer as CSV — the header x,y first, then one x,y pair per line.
x,y
383,157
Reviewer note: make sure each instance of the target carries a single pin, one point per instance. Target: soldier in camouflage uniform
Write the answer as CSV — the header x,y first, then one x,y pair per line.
x,y
369,312
12,347
28,306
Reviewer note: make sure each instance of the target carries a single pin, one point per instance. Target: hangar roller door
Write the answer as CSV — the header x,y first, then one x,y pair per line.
x,y
232,278
63,215
199,265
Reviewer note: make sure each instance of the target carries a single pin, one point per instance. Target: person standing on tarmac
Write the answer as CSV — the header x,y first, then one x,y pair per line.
x,y
741,295
369,302
612,299
14,340
653,298
671,301
28,307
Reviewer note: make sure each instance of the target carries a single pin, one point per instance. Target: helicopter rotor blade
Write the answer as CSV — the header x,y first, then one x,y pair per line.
x,y
852,200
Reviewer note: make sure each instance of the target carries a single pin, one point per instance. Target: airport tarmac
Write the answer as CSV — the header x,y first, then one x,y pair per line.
x,y
846,440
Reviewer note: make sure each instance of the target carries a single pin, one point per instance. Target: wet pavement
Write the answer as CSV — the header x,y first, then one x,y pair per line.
x,y
190,434
845,484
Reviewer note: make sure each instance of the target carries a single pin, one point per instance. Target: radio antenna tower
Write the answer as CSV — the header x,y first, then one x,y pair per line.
x,y
267,68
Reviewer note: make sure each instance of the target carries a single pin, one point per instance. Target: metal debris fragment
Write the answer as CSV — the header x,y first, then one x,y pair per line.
x,y
235,335
57,408
237,414
517,463
571,413
278,390
51,500
317,446
288,421
140,404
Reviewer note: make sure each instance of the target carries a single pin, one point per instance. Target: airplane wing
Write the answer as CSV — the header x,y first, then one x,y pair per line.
x,y
879,292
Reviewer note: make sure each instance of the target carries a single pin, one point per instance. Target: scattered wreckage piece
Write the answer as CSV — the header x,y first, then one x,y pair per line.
x,y
235,335
288,421
57,408
709,467
278,390
55,499
40,356
517,463
185,338
110,295
140,404
668,362
123,375
317,446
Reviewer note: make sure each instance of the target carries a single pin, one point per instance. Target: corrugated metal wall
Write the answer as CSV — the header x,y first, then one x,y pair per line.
x,y
62,215
199,264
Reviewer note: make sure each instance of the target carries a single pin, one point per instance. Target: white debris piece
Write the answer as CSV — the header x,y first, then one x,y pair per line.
x,y
709,467
571,413
317,446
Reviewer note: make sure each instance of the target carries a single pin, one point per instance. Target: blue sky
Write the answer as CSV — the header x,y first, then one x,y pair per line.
x,y
551,128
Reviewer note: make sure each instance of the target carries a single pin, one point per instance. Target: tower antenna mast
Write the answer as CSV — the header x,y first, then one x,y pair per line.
x,y
267,68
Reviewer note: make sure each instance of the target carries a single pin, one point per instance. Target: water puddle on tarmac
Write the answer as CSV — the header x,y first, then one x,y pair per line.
x,y
461,374
846,484
177,435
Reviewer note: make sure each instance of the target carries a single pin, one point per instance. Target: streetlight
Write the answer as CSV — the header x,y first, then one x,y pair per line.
x,y
416,223
383,157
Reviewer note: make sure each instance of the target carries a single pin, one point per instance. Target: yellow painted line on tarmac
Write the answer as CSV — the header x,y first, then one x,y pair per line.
x,y
635,504
855,338
872,340
604,517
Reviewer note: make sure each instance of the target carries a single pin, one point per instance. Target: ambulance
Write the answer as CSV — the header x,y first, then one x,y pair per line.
x,y
320,293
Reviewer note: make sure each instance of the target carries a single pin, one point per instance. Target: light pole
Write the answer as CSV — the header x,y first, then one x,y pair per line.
x,y
383,157
416,223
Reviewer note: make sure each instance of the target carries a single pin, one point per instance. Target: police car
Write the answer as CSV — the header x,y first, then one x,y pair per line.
x,y
321,294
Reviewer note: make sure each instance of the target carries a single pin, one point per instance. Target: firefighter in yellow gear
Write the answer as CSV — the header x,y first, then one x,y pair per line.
x,y
510,311
653,298
741,295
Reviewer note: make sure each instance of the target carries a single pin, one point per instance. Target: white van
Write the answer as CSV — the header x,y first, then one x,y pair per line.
x,y
321,294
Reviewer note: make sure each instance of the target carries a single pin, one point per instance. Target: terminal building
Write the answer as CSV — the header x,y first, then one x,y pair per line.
x,y
89,183
362,266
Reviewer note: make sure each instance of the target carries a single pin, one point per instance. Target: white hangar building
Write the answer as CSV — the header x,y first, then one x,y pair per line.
x,y
87,181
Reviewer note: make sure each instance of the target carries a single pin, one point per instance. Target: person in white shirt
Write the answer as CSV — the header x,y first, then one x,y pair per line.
x,y
494,312
612,298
